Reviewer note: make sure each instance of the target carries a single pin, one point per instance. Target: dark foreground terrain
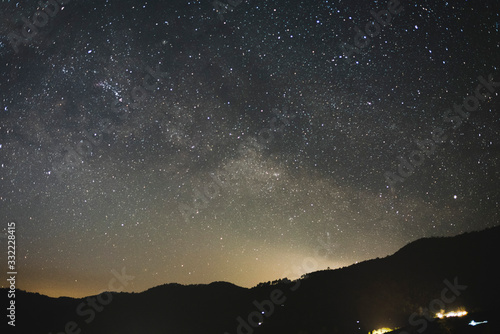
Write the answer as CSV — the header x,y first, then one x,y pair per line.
x,y
403,290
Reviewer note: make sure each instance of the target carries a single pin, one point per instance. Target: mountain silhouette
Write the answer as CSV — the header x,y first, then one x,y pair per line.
x,y
403,290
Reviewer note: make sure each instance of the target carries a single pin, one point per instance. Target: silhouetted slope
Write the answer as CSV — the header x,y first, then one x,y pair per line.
x,y
355,299
384,292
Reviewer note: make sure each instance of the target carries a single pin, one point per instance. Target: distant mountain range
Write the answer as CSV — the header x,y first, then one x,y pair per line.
x,y
404,290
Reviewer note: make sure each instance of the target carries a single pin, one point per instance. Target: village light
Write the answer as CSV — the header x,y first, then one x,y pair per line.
x,y
382,330
451,314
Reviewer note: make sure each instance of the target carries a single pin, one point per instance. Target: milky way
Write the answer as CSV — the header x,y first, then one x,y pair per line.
x,y
189,143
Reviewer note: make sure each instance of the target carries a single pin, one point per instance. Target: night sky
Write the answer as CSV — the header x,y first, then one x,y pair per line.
x,y
179,142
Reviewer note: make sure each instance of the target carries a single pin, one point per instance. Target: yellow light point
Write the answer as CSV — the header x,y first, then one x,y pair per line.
x,y
382,330
451,314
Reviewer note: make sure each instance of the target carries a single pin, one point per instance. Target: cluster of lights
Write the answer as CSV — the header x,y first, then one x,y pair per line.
x,y
442,315
381,330
439,315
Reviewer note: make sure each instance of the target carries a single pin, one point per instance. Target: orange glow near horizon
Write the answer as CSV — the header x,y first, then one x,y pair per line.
x,y
277,262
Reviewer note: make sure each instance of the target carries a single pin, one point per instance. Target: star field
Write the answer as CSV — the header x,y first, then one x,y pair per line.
x,y
191,144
